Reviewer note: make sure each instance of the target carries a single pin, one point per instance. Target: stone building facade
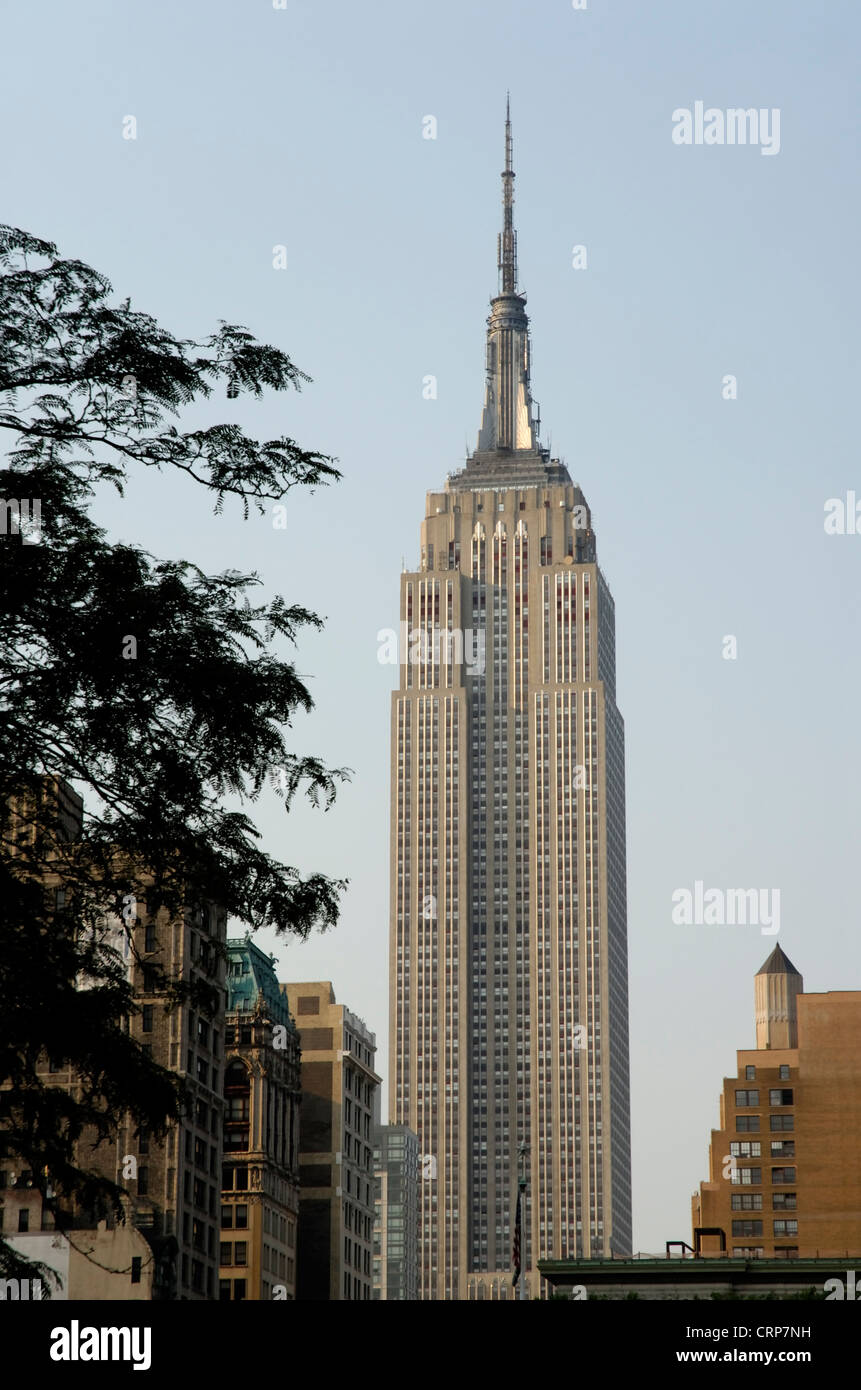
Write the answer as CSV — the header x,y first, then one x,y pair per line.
x,y
336,1160
262,1094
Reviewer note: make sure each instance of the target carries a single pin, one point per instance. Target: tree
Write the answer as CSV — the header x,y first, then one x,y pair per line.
x,y
149,687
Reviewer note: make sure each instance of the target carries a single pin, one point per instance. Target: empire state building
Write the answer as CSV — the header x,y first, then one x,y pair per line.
x,y
508,939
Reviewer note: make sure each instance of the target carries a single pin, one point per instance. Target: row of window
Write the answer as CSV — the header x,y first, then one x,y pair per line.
x,y
752,1201
753,1176
783,1073
776,1096
751,1124
231,1289
754,1228
752,1148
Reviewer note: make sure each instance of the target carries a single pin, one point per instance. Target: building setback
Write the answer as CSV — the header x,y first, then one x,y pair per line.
x,y
336,1165
508,938
260,1192
784,1181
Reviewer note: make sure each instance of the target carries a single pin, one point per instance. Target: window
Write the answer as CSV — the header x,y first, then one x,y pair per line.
x,y
780,1097
24,1219
143,1142
225,1253
224,1290
745,1124
747,1201
786,1252
784,1201
150,938
242,1216
777,1122
750,1073
743,1098
783,1073
748,1176
786,1228
146,1019
783,1148
136,1269
143,1181
746,1148
226,1218
240,1253
747,1228
782,1175
238,1290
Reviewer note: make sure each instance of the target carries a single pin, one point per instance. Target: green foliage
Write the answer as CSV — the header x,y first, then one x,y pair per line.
x,y
154,744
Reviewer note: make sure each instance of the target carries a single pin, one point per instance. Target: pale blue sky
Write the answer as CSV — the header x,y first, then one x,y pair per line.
x,y
302,127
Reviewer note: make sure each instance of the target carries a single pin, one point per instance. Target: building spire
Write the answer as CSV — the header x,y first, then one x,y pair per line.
x,y
509,423
507,239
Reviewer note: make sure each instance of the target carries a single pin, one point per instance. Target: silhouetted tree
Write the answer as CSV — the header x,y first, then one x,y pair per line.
x,y
149,687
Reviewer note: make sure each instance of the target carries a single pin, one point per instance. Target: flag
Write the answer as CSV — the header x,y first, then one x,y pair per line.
x,y
515,1254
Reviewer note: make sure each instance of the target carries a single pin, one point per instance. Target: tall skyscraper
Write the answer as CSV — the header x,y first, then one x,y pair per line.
x,y
508,948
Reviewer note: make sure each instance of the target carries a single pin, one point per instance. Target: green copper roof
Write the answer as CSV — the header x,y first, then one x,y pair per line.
x,y
250,973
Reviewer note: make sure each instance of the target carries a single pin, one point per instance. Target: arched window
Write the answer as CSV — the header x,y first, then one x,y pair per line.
x,y
237,1110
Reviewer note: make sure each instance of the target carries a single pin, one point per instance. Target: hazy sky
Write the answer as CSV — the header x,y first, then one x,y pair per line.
x,y
302,127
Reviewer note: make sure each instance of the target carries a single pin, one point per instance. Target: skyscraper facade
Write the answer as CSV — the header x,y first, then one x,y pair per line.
x,y
396,1177
336,1154
508,939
